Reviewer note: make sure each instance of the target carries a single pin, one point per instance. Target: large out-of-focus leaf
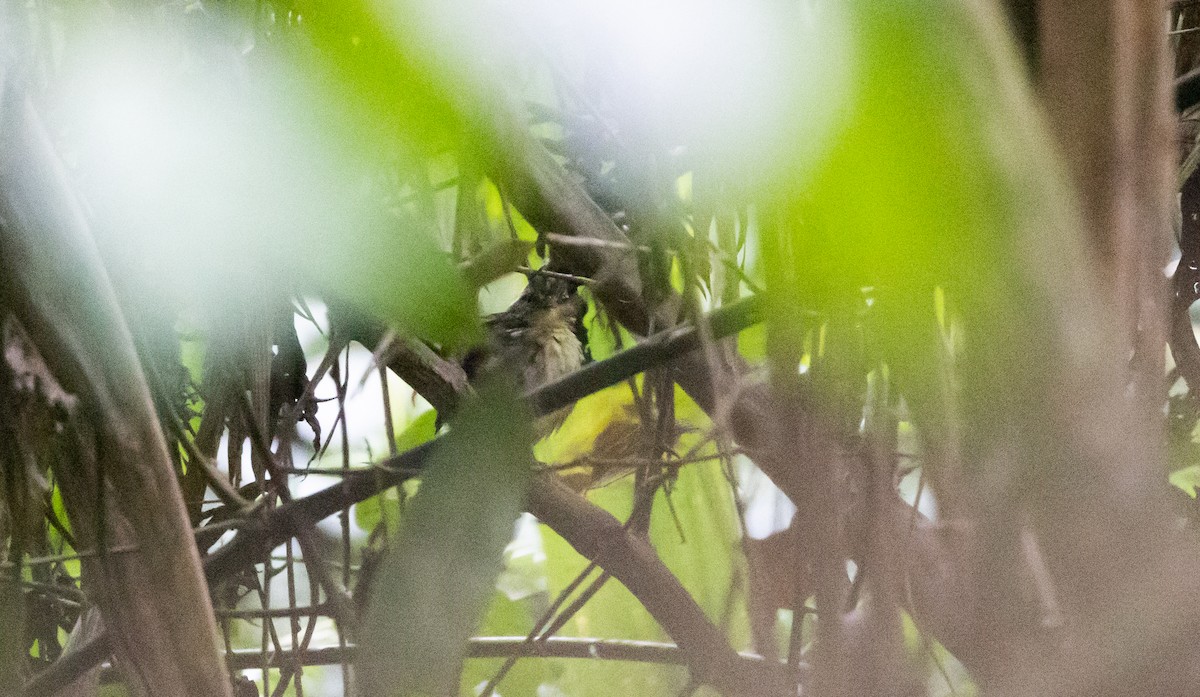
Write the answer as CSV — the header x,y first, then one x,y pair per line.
x,y
384,73
298,175
521,599
902,194
57,287
440,573
940,175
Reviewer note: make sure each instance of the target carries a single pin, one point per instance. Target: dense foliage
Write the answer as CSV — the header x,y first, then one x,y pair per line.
x,y
875,324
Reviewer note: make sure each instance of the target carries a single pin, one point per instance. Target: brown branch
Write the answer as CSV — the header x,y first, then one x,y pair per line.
x,y
668,347
436,379
502,647
600,537
69,667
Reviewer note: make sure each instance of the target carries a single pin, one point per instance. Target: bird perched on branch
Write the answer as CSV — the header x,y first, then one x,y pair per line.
x,y
540,337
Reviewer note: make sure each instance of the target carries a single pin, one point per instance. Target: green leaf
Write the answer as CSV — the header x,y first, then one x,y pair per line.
x,y
941,175
1186,479
902,173
437,577
383,506
421,430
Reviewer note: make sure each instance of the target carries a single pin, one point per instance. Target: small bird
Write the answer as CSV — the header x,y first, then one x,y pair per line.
x,y
541,337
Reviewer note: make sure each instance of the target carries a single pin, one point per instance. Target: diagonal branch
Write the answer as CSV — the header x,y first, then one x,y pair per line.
x,y
600,537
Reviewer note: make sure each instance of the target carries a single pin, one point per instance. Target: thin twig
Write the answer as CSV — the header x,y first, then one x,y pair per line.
x,y
569,241
581,280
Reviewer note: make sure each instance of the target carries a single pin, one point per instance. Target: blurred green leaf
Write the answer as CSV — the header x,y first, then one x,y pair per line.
x,y
437,577
421,430
916,190
1186,479
941,175
901,190
299,178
